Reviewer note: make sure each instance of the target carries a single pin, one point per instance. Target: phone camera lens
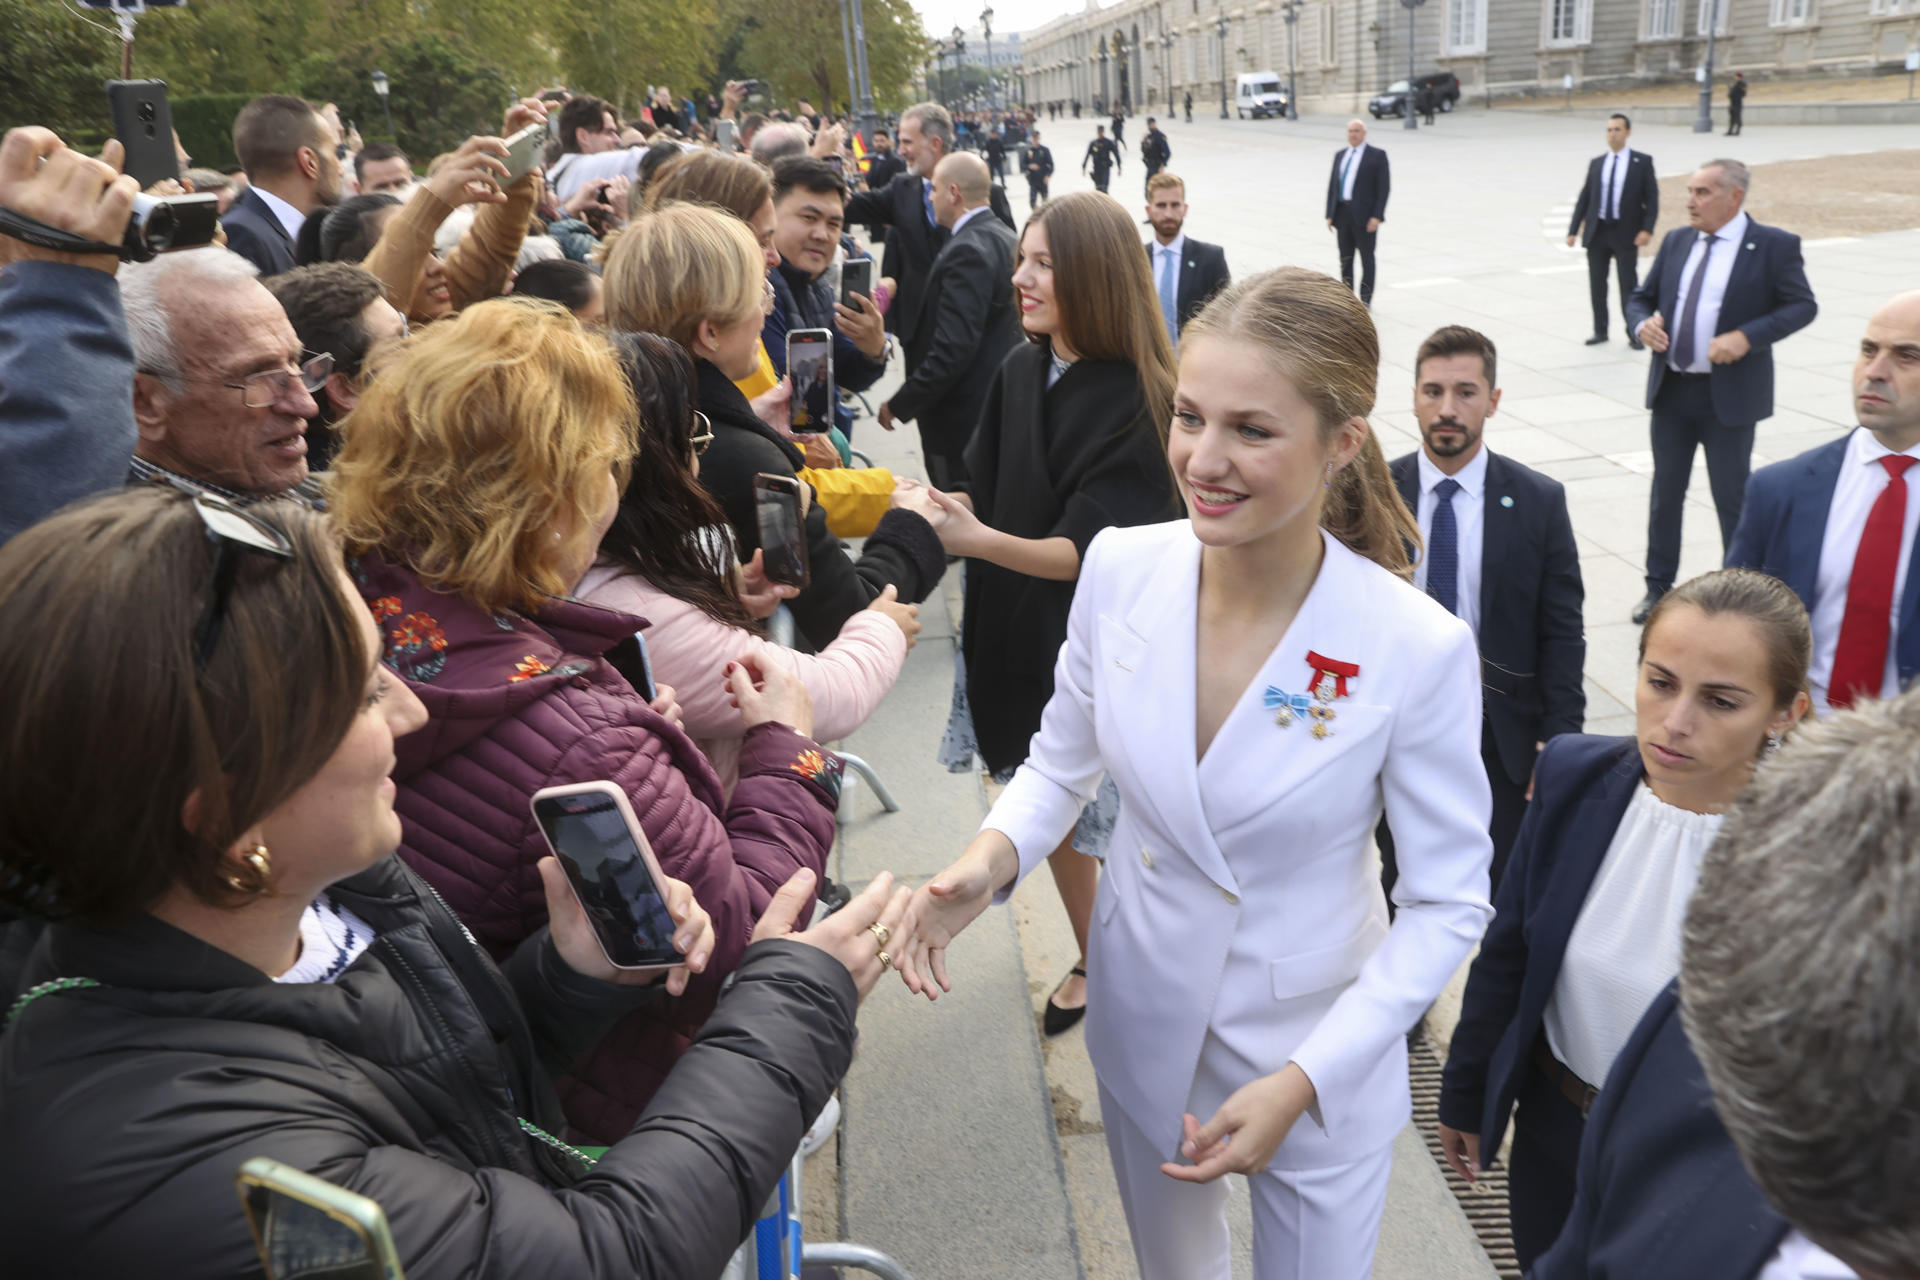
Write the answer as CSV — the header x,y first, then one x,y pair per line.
x,y
147,113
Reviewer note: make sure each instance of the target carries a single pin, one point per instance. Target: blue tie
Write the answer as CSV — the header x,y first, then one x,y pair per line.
x,y
1443,548
926,199
1169,311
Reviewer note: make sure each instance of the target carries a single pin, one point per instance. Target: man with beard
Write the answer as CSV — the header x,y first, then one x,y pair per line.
x,y
290,154
1499,554
1186,272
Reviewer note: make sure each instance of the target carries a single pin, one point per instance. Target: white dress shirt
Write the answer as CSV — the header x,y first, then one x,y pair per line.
x,y
1353,169
1625,945
1861,482
1160,251
1729,242
1613,176
1470,525
967,217
290,218
1801,1259
576,169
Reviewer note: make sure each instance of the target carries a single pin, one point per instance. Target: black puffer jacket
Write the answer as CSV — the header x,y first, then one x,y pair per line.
x,y
126,1109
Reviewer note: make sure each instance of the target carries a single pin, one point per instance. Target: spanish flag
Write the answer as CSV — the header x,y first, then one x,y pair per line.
x,y
860,156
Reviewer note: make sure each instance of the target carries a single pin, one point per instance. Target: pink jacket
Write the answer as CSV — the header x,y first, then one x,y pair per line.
x,y
690,651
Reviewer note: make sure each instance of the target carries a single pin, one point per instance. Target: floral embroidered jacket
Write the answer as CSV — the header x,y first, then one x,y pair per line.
x,y
516,704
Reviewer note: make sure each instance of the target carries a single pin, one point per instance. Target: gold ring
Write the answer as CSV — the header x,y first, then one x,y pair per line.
x,y
880,932
886,961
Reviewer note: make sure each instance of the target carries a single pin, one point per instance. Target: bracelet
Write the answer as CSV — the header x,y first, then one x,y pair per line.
x,y
19,226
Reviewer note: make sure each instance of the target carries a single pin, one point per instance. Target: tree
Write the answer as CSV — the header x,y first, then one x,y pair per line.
x,y
798,50
442,91
614,49
53,64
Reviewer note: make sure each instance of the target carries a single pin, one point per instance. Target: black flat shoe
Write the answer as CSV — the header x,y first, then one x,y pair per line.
x,y
1055,1019
1596,339
1645,607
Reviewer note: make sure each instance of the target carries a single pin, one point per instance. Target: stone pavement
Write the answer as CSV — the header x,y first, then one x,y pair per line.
x,y
970,1148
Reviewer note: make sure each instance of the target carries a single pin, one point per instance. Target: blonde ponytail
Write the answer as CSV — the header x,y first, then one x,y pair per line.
x,y
1321,336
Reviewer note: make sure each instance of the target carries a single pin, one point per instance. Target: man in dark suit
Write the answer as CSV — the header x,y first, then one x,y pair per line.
x,y
1720,293
971,323
885,164
1186,272
1768,1099
1617,208
289,152
1500,554
1837,524
1736,103
1103,155
1039,170
905,208
1357,203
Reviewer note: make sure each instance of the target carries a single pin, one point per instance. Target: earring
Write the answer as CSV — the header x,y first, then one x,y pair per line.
x,y
1773,743
259,864
1328,482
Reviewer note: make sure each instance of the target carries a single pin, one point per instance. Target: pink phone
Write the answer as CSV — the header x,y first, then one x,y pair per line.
x,y
591,829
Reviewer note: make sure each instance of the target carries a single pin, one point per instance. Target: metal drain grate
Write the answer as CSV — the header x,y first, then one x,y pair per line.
x,y
1484,1202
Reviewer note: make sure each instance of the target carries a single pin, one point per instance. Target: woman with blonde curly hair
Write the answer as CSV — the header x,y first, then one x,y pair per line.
x,y
480,471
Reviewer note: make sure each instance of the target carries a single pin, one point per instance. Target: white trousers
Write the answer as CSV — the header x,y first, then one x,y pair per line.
x,y
1313,1224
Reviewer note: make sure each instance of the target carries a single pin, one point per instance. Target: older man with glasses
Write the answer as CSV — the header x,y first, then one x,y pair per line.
x,y
223,390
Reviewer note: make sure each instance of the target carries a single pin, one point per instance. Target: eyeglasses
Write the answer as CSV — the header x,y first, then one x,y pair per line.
x,y
232,532
702,439
258,390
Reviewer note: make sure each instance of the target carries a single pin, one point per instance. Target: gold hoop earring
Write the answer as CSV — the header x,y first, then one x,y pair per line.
x,y
259,864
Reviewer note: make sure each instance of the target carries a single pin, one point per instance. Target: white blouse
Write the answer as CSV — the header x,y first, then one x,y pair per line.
x,y
1625,946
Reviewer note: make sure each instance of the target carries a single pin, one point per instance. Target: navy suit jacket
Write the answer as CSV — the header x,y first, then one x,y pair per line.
x,y
1370,186
256,234
1663,1195
1783,524
1767,298
1581,788
972,322
1533,644
1203,273
912,243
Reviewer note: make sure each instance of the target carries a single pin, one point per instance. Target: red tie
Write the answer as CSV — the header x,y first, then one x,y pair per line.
x,y
1860,660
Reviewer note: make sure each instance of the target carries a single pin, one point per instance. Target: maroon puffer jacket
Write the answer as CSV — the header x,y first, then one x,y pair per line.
x,y
515,705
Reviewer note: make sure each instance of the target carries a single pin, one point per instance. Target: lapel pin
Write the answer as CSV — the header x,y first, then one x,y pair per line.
x,y
1749,246
1506,499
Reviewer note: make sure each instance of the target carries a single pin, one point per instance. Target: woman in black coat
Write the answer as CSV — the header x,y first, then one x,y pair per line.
x,y
1068,444
694,275
197,796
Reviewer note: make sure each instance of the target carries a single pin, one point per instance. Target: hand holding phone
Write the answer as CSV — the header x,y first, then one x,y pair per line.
x,y
143,122
615,915
810,366
783,534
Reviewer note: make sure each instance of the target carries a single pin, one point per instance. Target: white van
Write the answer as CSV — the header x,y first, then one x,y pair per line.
x,y
1258,93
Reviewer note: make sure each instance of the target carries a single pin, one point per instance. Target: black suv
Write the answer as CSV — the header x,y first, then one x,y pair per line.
x,y
1394,101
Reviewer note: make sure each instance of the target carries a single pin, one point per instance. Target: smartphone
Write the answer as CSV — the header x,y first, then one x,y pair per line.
x,y
783,535
143,122
592,831
306,1228
523,151
810,365
726,134
630,659
856,276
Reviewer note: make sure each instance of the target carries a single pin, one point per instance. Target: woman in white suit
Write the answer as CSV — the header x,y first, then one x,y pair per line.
x,y
1259,680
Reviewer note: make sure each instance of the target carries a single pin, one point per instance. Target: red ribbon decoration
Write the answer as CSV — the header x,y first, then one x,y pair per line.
x,y
1331,667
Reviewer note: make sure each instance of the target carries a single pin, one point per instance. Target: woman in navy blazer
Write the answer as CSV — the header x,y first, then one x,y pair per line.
x,y
1617,825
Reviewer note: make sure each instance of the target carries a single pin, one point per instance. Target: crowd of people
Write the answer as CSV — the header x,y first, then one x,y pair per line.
x,y
333,547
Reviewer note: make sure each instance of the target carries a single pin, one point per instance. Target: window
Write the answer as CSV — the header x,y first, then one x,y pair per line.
x,y
1791,13
1329,36
1882,8
1569,22
1466,27
1723,11
1661,21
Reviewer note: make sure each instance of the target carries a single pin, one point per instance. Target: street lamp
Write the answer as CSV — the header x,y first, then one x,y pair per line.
x,y
986,25
1703,123
1220,26
1166,60
1413,121
959,67
1106,97
1290,10
381,87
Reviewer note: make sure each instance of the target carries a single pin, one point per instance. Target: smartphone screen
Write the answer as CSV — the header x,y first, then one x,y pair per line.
x,y
611,877
725,134
783,537
810,365
143,122
629,657
856,276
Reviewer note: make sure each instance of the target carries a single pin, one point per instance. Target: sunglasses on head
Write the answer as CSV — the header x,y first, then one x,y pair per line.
x,y
702,437
234,533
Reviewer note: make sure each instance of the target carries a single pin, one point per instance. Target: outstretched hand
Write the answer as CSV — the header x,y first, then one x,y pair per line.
x,y
947,904
1249,1127
848,934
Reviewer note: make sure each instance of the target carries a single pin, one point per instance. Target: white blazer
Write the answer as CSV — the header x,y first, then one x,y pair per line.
x,y
1240,913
